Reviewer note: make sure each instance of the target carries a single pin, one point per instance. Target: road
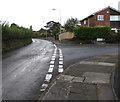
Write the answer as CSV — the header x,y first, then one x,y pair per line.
x,y
28,68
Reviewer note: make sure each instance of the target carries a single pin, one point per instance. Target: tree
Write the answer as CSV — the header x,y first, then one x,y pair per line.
x,y
70,24
54,28
42,31
14,25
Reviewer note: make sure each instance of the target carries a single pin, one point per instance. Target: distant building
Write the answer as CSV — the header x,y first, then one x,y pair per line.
x,y
105,17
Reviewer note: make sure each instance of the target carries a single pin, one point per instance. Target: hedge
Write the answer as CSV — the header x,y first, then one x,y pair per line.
x,y
114,37
14,44
91,33
15,37
15,33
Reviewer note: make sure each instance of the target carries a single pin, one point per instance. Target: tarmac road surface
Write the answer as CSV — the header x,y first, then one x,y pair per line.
x,y
26,69
73,54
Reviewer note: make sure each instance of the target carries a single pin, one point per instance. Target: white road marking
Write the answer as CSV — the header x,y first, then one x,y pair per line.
x,y
53,56
43,87
52,62
60,70
61,56
50,70
60,59
55,51
60,66
55,46
60,50
51,66
60,53
60,62
48,77
53,59
97,63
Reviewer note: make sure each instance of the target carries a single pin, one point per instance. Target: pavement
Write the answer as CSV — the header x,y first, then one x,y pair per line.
x,y
89,79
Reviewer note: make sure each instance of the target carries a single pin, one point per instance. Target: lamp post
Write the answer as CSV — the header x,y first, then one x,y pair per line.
x,y
60,18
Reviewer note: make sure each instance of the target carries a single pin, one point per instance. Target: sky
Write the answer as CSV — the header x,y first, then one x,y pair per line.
x,y
38,12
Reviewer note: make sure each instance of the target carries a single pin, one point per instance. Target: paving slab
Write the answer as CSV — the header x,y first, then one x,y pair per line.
x,y
85,81
58,91
111,58
105,92
82,91
79,69
97,78
65,78
98,63
78,79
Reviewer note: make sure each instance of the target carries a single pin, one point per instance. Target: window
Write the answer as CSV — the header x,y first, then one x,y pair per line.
x,y
100,17
115,18
85,22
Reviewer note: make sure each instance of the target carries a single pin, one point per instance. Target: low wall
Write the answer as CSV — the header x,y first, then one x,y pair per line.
x,y
66,35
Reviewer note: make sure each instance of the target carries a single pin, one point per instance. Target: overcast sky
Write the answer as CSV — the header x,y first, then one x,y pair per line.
x,y
38,12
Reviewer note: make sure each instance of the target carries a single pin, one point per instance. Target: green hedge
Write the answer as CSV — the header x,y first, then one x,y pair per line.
x,y
114,37
14,44
91,33
15,37
15,33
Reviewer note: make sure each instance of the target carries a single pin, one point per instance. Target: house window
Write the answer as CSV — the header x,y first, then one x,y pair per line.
x,y
100,17
85,22
115,18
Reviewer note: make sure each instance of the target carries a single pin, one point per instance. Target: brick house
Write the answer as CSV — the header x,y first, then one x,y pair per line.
x,y
105,17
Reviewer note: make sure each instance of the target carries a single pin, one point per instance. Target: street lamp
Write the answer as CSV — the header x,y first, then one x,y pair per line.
x,y
60,17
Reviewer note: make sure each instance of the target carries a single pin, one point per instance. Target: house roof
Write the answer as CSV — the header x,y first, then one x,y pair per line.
x,y
100,11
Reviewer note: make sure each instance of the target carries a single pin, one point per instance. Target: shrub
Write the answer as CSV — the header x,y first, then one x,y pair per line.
x,y
114,37
15,33
91,33
14,37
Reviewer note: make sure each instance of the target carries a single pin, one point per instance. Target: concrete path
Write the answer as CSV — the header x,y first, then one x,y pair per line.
x,y
89,79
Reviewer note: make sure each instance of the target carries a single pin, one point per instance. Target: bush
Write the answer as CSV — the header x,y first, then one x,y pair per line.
x,y
114,37
14,37
15,33
14,44
91,33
